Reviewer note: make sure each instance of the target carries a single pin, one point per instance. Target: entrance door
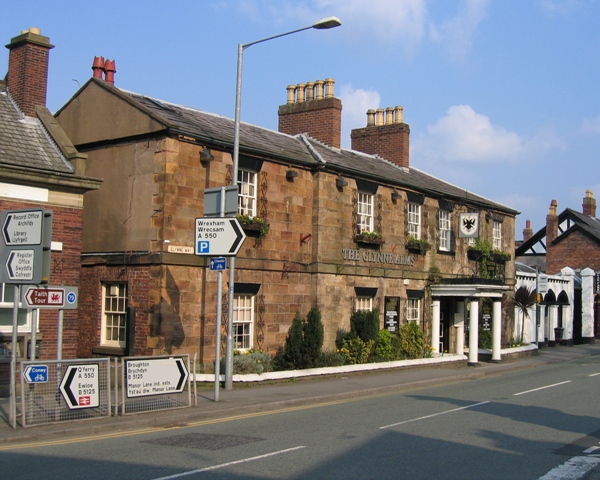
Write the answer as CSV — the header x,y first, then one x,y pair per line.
x,y
446,313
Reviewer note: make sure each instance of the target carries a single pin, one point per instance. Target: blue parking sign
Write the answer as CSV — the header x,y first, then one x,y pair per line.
x,y
203,246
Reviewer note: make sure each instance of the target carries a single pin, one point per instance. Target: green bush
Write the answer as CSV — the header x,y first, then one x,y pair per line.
x,y
365,324
330,358
313,336
383,348
251,361
412,341
354,350
303,343
293,350
485,339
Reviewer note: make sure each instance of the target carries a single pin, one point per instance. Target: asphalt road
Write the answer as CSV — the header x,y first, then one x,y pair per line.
x,y
518,425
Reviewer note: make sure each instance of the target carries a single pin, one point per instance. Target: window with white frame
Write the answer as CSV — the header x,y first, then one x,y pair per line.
x,y
414,220
364,303
243,321
413,310
7,297
497,236
114,315
445,232
247,193
365,212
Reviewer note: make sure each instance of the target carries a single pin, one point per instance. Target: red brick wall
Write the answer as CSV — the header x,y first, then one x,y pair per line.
x,y
388,141
321,119
140,283
577,250
28,76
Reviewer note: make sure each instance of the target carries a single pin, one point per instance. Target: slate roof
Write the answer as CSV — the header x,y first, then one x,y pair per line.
x,y
574,220
217,130
25,143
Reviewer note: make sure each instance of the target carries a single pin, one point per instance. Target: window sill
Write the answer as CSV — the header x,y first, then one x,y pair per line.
x,y
112,351
450,253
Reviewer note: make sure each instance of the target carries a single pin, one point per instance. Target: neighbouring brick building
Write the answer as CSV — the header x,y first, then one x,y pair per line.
x,y
39,168
571,240
348,229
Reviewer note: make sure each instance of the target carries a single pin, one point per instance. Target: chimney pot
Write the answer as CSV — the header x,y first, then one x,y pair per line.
x,y
589,204
389,116
379,117
301,87
329,83
110,70
320,86
370,118
310,91
98,67
527,231
291,93
399,111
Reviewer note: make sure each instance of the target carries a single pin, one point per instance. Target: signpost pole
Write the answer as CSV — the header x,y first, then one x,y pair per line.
x,y
13,358
218,326
59,339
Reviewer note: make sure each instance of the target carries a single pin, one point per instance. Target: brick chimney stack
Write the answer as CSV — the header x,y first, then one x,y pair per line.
x,y
312,108
527,231
387,138
27,78
551,224
589,204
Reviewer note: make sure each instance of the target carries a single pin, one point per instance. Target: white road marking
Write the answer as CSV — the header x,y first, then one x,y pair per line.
x,y
541,388
594,374
228,464
574,468
433,415
591,449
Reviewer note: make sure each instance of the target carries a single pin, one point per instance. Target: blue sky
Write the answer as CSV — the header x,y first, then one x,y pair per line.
x,y
502,96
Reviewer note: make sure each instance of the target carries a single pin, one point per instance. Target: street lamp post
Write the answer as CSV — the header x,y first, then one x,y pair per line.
x,y
323,24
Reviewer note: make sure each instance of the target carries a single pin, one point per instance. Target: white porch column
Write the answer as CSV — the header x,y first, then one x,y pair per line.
x,y
474,333
552,319
435,325
496,330
541,340
587,305
459,324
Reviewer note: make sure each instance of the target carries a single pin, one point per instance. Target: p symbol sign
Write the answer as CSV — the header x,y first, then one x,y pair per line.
x,y
203,246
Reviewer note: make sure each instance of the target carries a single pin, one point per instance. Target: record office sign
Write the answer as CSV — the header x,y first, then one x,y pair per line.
x,y
369,256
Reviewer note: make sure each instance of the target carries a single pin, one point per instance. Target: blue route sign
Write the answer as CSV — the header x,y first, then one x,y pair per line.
x,y
217,263
36,374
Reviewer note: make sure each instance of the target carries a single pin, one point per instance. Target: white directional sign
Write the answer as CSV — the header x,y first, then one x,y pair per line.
x,y
19,265
155,376
23,228
79,386
218,237
25,240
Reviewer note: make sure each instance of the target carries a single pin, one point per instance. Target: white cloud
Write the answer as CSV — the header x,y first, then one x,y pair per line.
x,y
558,7
355,103
466,136
456,34
591,126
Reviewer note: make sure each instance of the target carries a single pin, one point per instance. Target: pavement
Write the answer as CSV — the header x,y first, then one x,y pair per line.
x,y
250,398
